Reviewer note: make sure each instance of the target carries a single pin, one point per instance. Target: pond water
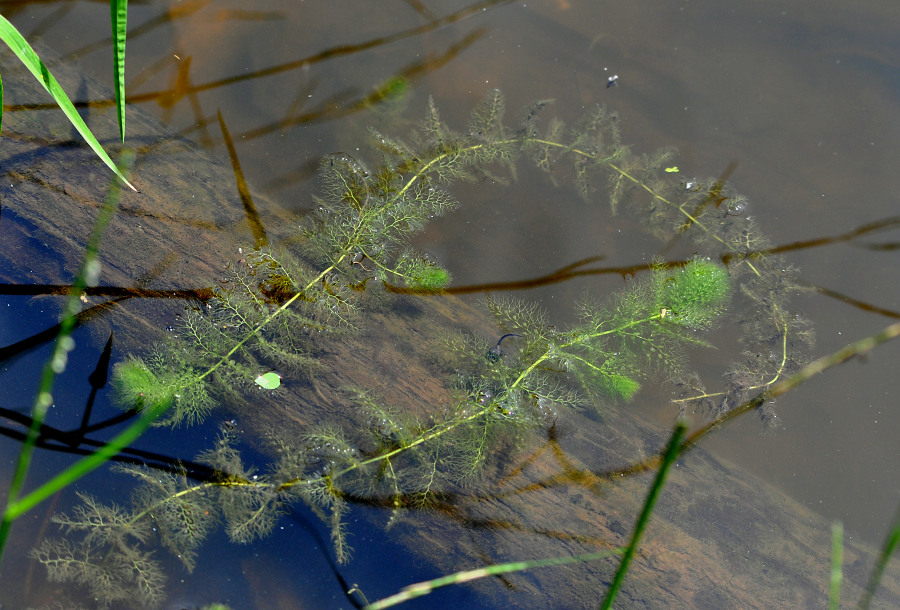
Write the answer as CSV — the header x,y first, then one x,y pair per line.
x,y
799,104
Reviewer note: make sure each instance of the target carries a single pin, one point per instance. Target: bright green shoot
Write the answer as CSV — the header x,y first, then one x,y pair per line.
x,y
424,588
11,36
119,14
673,450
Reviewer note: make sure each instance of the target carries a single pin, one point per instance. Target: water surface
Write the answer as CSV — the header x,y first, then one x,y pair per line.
x,y
802,98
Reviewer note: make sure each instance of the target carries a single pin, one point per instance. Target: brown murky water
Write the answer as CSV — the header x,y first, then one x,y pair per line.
x,y
805,99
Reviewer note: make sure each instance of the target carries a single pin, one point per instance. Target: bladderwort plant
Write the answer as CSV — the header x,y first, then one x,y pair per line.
x,y
279,309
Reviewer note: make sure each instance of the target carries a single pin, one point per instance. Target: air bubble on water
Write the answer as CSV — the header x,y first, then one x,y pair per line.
x,y
485,397
736,208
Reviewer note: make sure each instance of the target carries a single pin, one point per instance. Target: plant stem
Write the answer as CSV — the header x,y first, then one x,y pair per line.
x,y
56,364
673,450
444,428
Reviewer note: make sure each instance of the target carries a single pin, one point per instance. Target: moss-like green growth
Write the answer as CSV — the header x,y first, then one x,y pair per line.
x,y
159,380
432,279
696,294
621,386
135,384
422,274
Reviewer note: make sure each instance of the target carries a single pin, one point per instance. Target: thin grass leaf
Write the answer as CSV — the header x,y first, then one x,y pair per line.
x,y
1,103
56,364
891,542
672,452
424,588
11,36
83,466
119,15
837,560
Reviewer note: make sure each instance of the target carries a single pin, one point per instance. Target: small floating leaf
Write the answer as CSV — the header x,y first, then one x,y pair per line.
x,y
268,381
672,170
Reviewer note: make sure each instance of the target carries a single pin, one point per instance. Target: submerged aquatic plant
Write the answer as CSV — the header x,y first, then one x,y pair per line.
x,y
281,310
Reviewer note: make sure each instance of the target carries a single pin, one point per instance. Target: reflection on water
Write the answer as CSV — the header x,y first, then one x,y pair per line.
x,y
800,104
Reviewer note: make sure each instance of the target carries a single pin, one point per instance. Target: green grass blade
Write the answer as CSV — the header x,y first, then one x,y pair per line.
x,y
887,551
1,102
672,452
119,14
837,561
11,36
86,464
56,363
424,588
